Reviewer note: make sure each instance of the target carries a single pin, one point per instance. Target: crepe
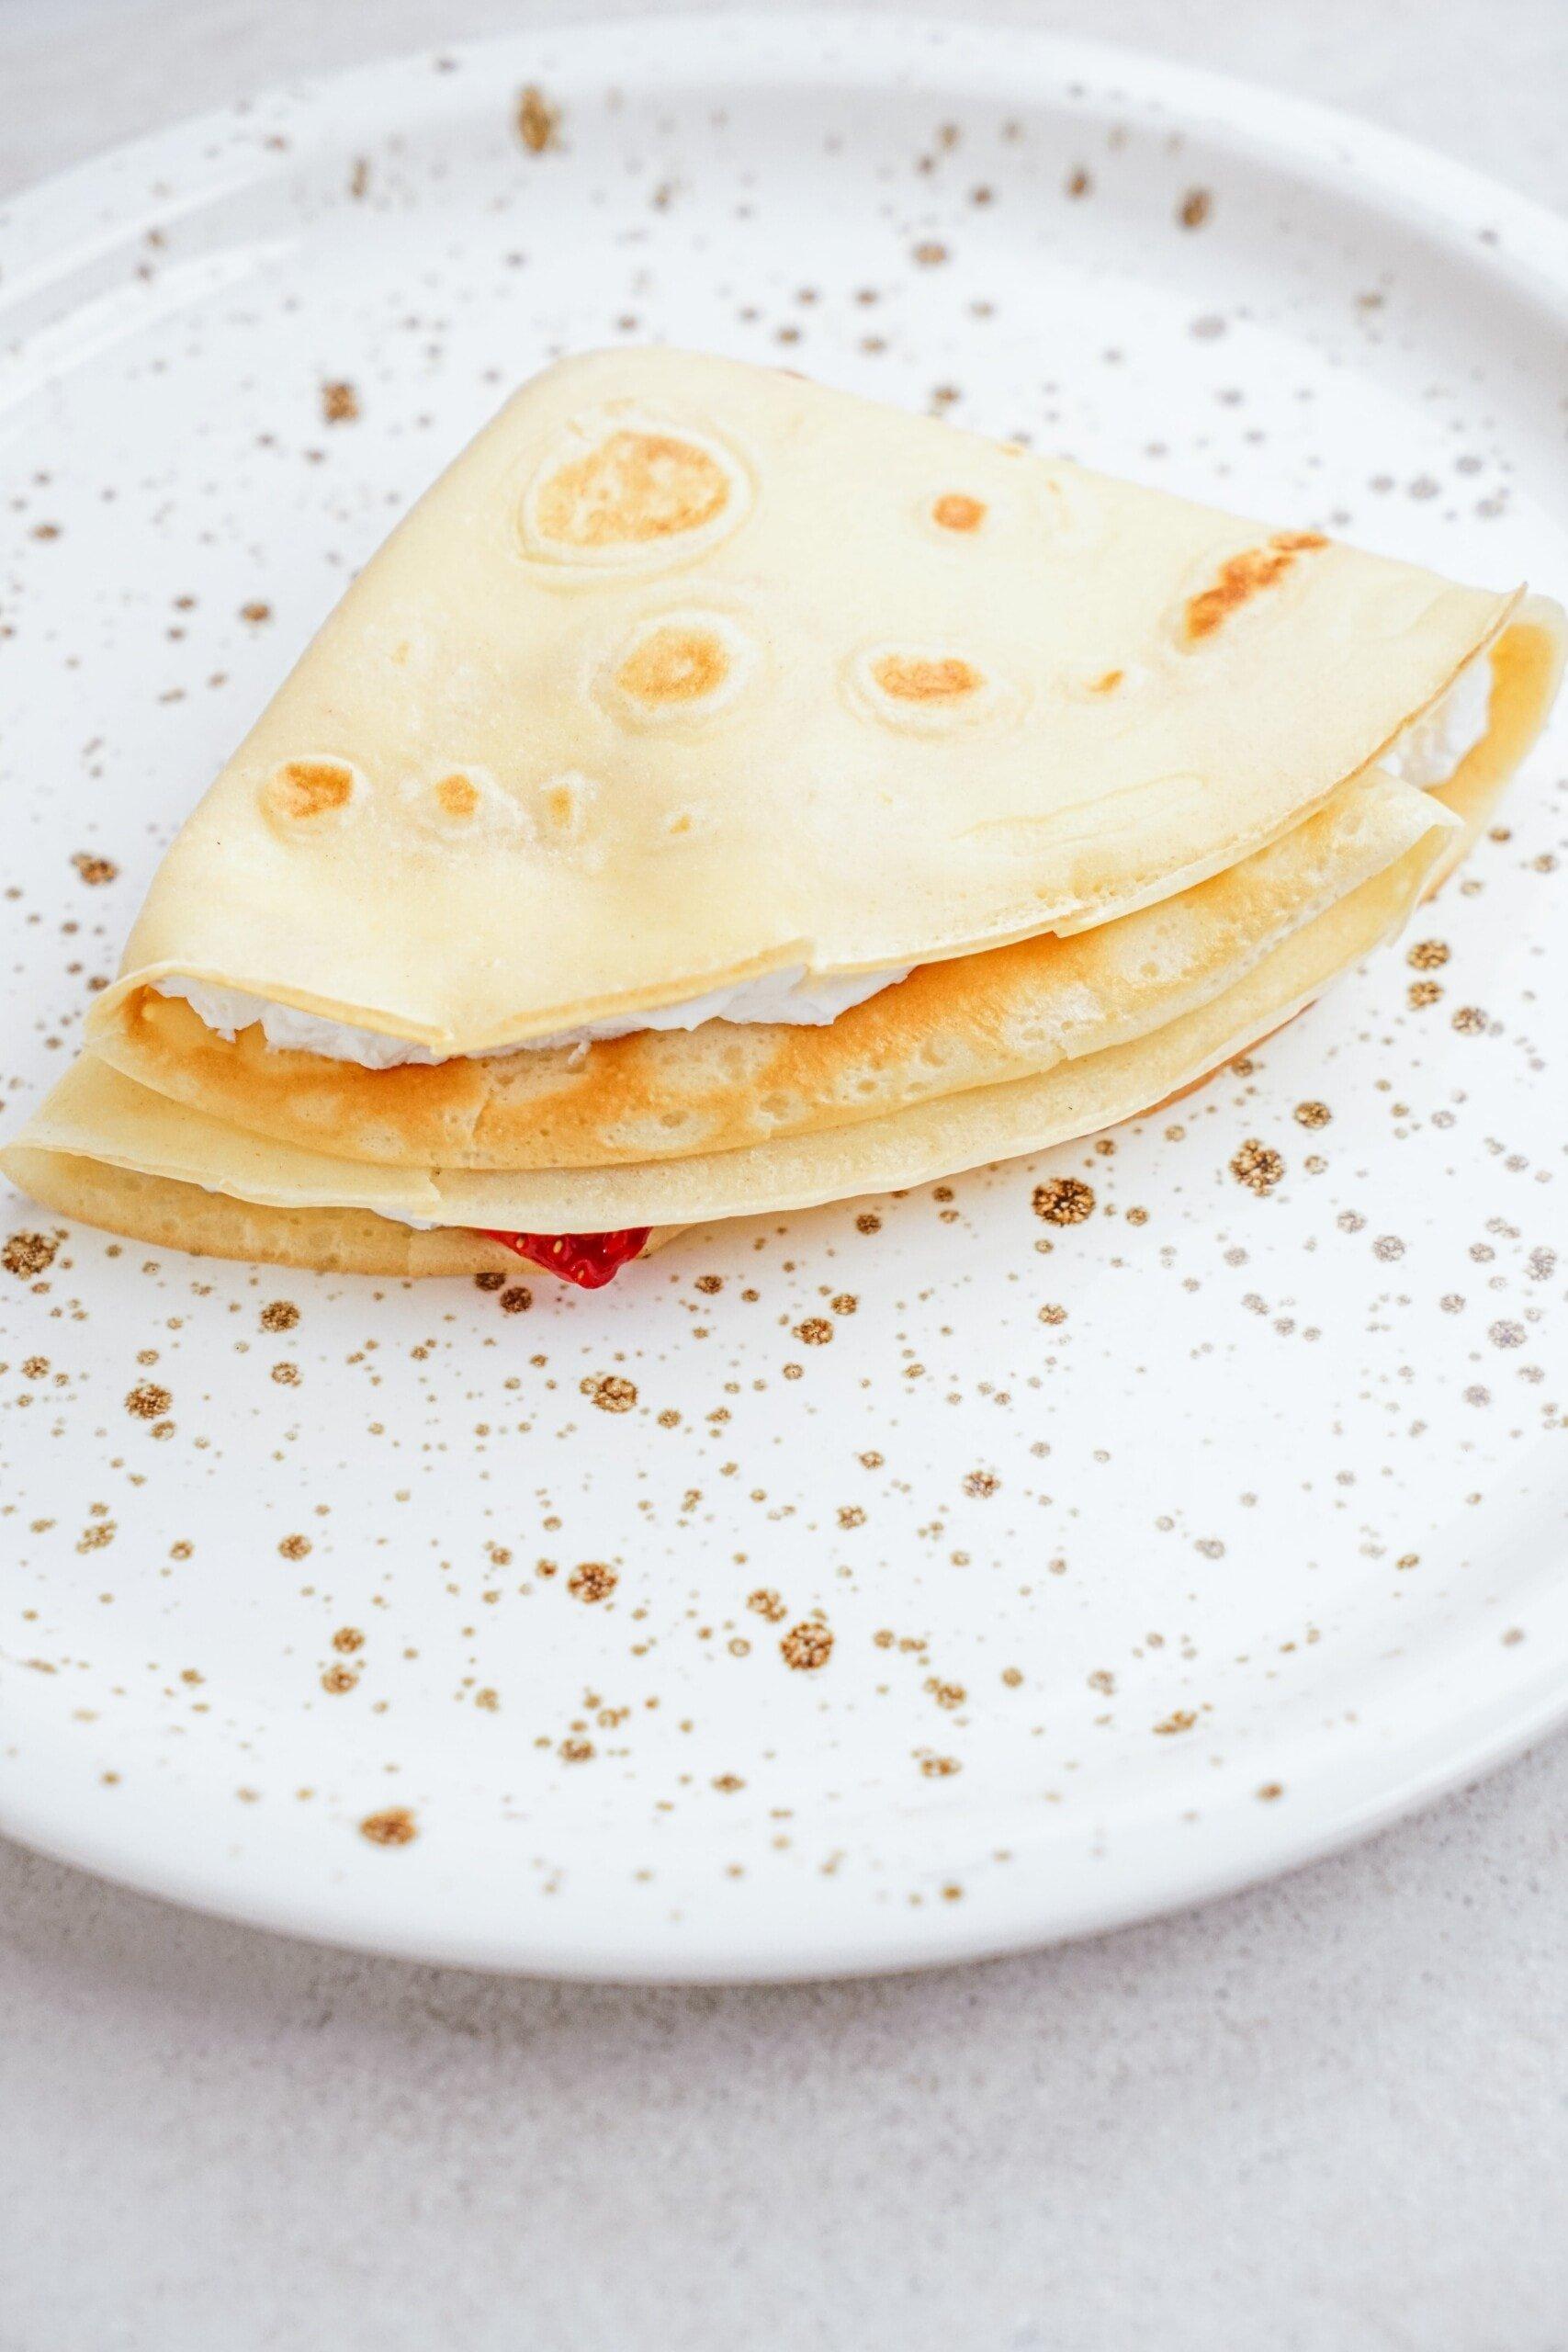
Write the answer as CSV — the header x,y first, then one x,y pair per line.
x,y
978,1020
96,1118
687,672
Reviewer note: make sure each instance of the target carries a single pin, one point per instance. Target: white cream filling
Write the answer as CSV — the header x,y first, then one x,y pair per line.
x,y
788,996
1426,755
1433,745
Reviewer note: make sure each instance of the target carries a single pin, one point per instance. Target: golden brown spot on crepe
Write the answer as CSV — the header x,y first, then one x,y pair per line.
x,y
957,511
632,488
1243,576
1108,684
303,789
919,678
675,664
457,796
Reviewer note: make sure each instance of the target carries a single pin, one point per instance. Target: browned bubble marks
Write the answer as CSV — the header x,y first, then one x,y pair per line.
x,y
1428,955
633,487
591,1580
94,871
929,681
457,796
340,402
308,789
1243,577
957,511
148,1402
611,1391
673,663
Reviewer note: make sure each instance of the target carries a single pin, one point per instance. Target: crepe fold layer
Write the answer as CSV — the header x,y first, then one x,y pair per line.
x,y
688,671
974,1021
164,1213
98,1118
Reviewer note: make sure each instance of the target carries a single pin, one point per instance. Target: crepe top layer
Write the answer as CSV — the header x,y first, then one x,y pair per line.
x,y
688,671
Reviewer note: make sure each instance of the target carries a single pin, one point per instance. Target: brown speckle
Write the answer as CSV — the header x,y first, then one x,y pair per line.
x,y
1311,1114
281,1314
147,1401
591,1580
610,1391
808,1646
94,871
395,1826
25,1254
1257,1166
538,122
340,401
1195,208
1428,955
1064,1200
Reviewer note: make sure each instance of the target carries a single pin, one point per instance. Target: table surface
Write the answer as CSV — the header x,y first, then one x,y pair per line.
x,y
1328,2116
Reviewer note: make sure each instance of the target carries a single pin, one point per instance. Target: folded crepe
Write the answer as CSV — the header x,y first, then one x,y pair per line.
x,y
109,1150
722,794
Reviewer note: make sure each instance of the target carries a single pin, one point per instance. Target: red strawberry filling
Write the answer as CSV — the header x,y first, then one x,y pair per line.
x,y
589,1259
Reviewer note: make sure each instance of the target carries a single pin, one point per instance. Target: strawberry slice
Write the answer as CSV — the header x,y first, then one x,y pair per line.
x,y
589,1259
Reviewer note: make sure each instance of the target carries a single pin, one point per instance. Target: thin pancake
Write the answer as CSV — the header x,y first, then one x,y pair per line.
x,y
688,671
976,1021
164,1214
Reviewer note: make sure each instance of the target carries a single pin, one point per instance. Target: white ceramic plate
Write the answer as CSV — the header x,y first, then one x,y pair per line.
x,y
1157,1553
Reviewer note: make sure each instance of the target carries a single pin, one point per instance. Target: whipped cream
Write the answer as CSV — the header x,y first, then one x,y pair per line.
x,y
790,996
1426,755
1433,745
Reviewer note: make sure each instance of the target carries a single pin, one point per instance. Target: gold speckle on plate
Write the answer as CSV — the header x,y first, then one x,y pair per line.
x,y
394,1827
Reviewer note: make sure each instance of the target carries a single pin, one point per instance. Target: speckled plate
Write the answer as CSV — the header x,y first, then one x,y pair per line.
x,y
918,1577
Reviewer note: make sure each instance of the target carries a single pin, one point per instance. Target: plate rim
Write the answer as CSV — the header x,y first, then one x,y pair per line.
x,y
1525,243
